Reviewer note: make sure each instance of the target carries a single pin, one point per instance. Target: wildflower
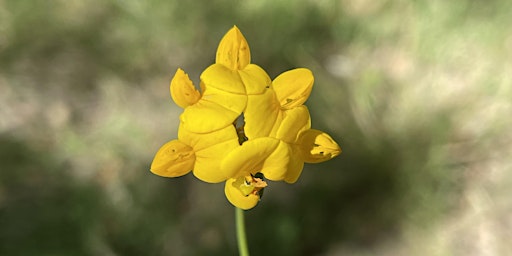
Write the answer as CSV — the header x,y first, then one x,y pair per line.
x,y
273,140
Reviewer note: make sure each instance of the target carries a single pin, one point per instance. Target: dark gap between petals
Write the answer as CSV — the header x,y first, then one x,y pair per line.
x,y
239,124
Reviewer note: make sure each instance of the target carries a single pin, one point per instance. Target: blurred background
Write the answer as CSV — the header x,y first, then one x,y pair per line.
x,y
417,93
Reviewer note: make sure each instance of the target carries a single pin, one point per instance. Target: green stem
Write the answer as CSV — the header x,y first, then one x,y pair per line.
x,y
240,233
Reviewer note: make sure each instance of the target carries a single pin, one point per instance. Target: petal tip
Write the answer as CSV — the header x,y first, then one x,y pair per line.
x,y
233,50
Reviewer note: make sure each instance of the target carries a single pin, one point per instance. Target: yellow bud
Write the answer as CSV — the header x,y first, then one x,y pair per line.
x,y
173,159
182,90
233,51
317,146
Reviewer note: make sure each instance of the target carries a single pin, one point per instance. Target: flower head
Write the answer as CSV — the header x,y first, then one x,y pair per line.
x,y
242,128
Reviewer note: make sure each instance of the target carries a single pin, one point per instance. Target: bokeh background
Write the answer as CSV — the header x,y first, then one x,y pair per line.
x,y
417,93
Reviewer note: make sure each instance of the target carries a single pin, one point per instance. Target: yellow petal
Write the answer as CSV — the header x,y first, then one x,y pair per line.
x,y
293,87
317,146
223,78
215,110
295,121
262,115
208,161
233,51
173,159
276,165
182,90
255,79
295,166
233,102
200,141
210,149
269,156
237,198
205,117
249,157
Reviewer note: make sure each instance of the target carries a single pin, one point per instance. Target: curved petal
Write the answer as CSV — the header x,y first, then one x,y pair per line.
x,y
250,157
173,159
233,51
276,165
200,141
295,166
317,146
295,121
210,149
237,198
262,115
230,101
213,111
255,79
223,78
293,87
183,92
208,162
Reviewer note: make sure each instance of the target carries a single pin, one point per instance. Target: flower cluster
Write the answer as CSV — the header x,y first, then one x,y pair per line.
x,y
241,127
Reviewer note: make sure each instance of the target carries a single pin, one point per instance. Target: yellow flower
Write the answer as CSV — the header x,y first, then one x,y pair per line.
x,y
268,156
289,90
226,86
243,128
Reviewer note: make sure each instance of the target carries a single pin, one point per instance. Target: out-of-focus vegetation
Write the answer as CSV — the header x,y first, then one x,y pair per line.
x,y
417,93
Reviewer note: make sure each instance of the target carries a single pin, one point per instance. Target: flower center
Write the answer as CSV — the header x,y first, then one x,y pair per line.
x,y
251,184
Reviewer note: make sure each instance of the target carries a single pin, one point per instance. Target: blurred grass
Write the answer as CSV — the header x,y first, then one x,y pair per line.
x,y
417,93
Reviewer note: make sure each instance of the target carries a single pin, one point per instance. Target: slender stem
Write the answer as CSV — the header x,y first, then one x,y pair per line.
x,y
240,233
